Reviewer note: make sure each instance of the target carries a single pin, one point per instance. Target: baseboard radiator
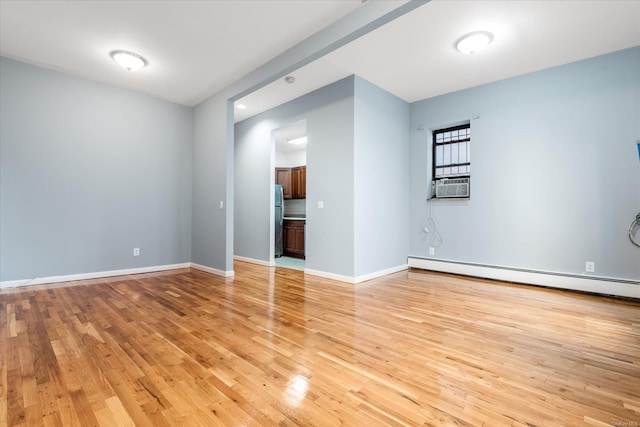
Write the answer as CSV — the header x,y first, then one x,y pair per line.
x,y
592,284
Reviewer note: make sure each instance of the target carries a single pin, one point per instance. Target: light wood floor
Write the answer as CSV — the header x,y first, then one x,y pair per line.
x,y
273,347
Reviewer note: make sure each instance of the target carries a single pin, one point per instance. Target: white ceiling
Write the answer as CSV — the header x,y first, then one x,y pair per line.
x,y
287,133
528,36
196,48
414,56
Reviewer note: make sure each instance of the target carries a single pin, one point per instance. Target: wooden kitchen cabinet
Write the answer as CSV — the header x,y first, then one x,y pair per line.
x,y
293,238
283,177
293,181
299,182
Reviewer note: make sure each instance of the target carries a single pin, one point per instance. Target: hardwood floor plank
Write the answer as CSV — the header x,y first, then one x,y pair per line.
x,y
3,411
33,416
52,420
15,401
69,415
272,346
118,412
126,404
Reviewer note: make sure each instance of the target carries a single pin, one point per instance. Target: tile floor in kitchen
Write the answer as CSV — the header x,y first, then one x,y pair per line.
x,y
289,262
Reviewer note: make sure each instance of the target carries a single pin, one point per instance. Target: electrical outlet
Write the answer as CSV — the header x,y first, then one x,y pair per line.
x,y
432,251
590,266
136,251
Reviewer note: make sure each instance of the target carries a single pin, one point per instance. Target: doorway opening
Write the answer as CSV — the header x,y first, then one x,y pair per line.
x,y
289,160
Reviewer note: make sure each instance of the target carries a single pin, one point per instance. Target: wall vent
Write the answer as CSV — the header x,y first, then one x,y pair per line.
x,y
452,187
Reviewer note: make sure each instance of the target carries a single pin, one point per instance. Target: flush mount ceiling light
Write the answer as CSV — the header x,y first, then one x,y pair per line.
x,y
241,106
474,42
128,60
297,140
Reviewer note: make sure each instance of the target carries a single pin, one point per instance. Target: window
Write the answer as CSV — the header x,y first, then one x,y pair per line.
x,y
452,161
452,152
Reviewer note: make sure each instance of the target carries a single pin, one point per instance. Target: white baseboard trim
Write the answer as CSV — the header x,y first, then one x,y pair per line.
x,y
212,270
326,275
357,279
376,274
85,276
254,261
599,285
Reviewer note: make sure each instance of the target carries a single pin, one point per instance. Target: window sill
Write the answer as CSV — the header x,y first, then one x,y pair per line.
x,y
453,200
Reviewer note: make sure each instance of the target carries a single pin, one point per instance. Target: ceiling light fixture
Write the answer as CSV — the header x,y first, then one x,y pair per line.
x,y
128,60
241,107
290,79
297,140
474,42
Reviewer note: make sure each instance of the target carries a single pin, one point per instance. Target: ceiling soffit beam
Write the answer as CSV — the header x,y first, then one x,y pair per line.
x,y
361,21
216,174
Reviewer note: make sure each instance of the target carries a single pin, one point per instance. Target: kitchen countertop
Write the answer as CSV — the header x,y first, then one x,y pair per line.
x,y
295,218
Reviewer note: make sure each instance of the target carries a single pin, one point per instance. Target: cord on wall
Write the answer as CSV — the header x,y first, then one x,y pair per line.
x,y
634,229
429,227
434,239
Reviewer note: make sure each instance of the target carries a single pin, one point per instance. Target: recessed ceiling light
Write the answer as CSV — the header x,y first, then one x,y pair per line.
x,y
128,60
241,107
474,42
297,140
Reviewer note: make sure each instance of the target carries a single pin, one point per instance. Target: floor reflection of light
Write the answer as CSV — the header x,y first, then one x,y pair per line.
x,y
296,390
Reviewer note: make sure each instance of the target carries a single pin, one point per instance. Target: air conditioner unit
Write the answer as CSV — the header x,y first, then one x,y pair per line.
x,y
452,187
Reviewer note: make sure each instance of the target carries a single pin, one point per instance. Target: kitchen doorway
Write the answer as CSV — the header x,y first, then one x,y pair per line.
x,y
289,161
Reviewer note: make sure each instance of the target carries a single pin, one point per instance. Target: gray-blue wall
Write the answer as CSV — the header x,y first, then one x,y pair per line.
x,y
357,165
213,177
212,229
381,179
87,173
555,171
329,113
